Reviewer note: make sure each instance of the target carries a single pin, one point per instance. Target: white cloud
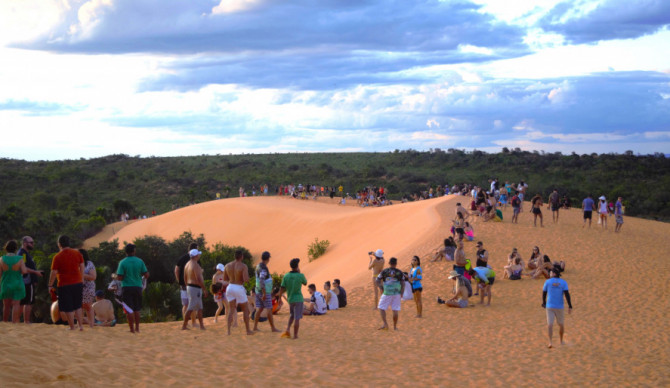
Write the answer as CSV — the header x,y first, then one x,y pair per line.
x,y
231,6
432,123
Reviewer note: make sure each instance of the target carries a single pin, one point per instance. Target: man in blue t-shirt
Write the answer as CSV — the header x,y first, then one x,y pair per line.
x,y
618,213
587,208
552,300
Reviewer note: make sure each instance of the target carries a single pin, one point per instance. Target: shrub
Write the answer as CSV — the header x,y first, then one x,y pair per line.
x,y
317,248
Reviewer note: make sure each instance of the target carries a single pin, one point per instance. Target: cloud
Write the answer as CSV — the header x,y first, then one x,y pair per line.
x,y
610,19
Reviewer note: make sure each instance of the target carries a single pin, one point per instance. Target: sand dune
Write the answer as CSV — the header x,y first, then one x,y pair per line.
x,y
616,336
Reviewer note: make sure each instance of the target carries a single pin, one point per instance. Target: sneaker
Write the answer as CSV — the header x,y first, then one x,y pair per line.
x,y
286,334
440,301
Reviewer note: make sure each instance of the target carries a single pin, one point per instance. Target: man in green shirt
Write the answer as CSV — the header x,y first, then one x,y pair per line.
x,y
292,284
130,272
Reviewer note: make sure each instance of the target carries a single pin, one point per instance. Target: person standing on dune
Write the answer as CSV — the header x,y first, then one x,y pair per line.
x,y
292,284
376,265
195,288
552,300
392,282
237,273
130,272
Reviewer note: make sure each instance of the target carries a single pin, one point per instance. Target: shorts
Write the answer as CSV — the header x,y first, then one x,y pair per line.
x,y
521,196
30,294
554,208
132,296
236,292
516,210
418,289
587,214
460,231
619,220
558,314
389,300
462,303
70,297
537,210
265,303
296,310
491,281
184,298
194,298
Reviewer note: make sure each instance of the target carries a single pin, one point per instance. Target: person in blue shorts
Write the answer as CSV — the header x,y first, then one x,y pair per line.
x,y
552,300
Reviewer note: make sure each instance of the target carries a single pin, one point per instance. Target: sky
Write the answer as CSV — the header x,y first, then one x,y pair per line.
x,y
89,78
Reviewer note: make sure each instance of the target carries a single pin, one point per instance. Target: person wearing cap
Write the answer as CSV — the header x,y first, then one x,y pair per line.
x,y
264,291
461,292
587,208
220,295
179,276
376,265
130,272
292,284
195,288
103,310
392,282
553,291
603,211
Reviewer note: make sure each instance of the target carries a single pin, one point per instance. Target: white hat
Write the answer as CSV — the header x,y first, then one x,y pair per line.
x,y
220,267
602,197
379,253
194,253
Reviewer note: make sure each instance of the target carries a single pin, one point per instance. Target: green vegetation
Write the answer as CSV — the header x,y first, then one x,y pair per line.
x,y
317,249
161,298
45,198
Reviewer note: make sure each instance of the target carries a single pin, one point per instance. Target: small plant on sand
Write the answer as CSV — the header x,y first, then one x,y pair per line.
x,y
317,248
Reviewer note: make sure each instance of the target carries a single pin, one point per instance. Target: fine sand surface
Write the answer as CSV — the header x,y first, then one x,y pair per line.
x,y
617,335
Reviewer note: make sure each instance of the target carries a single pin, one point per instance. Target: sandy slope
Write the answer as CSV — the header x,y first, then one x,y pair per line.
x,y
617,335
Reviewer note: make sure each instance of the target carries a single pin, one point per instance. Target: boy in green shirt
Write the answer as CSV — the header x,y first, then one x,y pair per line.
x,y
292,284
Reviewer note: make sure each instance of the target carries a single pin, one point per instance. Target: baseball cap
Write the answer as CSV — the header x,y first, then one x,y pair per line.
x,y
220,267
194,252
379,253
100,293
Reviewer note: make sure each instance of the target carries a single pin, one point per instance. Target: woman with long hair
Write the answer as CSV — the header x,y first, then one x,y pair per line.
x,y
88,293
415,276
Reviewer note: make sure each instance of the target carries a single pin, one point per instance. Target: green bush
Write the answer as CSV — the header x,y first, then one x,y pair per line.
x,y
317,248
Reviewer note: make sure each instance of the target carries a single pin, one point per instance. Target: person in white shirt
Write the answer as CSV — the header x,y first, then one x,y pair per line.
x,y
332,303
316,305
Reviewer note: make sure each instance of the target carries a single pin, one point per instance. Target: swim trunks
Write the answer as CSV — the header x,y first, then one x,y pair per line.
x,y
296,310
554,208
555,314
587,214
236,292
418,289
459,269
265,303
389,300
69,297
516,210
132,296
30,295
194,298
184,298
462,303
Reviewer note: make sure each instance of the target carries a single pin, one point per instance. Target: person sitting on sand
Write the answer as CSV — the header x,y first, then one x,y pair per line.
x,y
103,310
484,277
446,252
461,291
514,271
459,225
316,304
512,256
469,231
340,292
535,258
543,269
489,213
278,303
331,298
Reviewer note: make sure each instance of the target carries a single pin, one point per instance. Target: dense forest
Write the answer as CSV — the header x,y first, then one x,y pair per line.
x,y
78,197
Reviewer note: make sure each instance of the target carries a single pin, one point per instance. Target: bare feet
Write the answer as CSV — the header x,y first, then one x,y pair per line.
x,y
250,332
256,329
550,346
275,330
